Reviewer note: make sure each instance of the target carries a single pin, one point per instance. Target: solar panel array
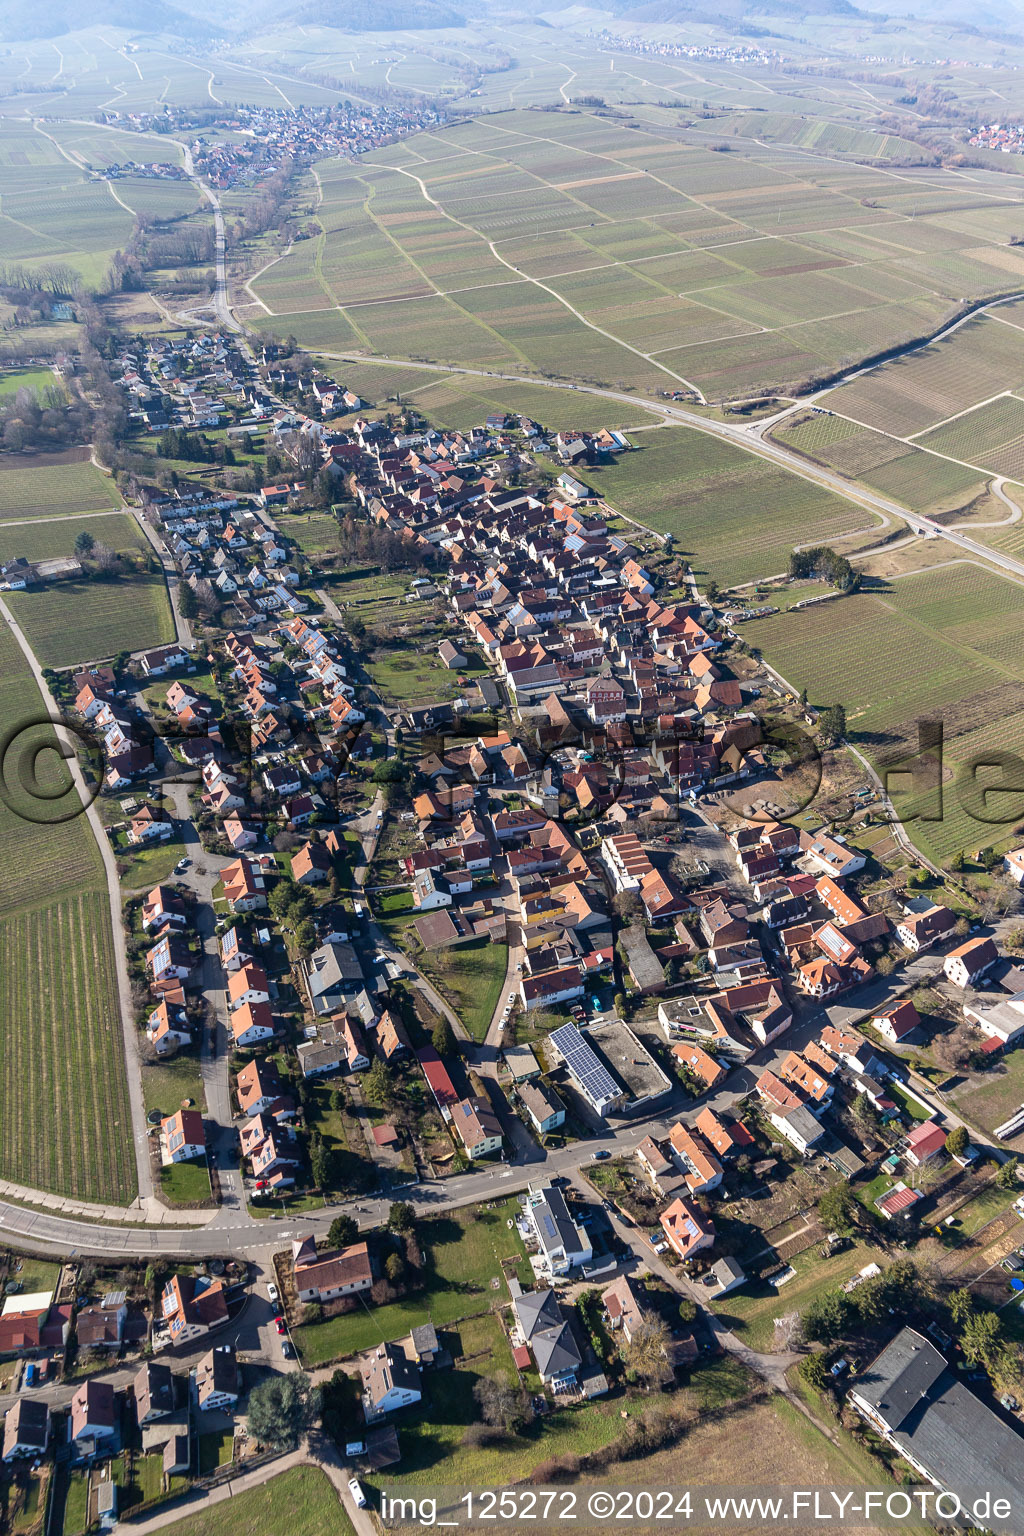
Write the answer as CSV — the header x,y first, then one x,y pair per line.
x,y
582,1061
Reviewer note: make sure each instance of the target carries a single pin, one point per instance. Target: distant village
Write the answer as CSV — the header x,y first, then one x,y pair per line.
x,y
260,139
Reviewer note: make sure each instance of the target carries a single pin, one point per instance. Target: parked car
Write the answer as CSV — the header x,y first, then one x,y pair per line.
x,y
355,1488
288,1349
279,1324
272,1292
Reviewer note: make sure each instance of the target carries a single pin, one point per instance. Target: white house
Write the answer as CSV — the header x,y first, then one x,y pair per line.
x,y
389,1381
562,1244
966,964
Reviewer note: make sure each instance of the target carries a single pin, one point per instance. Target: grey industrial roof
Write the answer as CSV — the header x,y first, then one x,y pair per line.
x,y
962,1444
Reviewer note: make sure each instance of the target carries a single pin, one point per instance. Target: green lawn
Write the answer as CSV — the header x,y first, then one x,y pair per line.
x,y
300,1502
146,867
166,1084
185,1183
915,1110
82,621
463,1255
750,1311
471,977
991,1097
409,675
76,1505
36,379
215,1450
37,1275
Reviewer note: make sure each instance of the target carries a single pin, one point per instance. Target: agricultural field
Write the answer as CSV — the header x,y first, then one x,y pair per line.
x,y
738,516
78,621
992,436
578,249
46,540
51,212
907,396
52,486
43,860
316,533
59,1021
462,403
63,1049
922,481
957,638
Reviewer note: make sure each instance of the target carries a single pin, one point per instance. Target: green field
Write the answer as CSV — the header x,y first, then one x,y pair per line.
x,y
52,489
471,977
82,621
167,1084
750,1311
36,379
185,1183
300,1501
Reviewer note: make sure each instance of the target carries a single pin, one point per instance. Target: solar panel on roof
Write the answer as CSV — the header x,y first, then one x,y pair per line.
x,y
582,1061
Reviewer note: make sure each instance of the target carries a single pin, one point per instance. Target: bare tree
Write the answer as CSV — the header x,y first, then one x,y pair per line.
x,y
646,1354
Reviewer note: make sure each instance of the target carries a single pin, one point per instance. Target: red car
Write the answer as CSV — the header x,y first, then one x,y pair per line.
x,y
279,1324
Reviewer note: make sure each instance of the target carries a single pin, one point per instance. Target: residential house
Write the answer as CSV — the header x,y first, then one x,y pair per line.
x,y
26,1429
622,1307
154,1392
477,1126
546,1331
190,1305
899,1021
324,1277
925,1142
251,1023
687,1228
542,1104
389,1380
183,1136
94,1428
968,963
218,1383
562,1243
